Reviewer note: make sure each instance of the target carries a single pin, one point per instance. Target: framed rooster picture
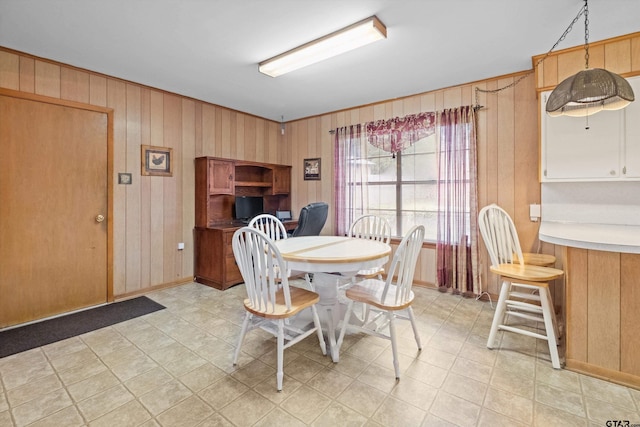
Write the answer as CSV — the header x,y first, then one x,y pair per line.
x,y
157,161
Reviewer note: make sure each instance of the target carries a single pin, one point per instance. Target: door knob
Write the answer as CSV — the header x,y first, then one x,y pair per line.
x,y
99,218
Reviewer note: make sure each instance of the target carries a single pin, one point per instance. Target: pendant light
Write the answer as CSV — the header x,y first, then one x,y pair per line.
x,y
590,90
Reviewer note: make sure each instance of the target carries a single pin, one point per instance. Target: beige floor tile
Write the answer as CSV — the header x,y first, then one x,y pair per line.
x,y
21,371
268,388
465,388
68,417
147,381
40,407
306,404
330,382
82,372
189,412
92,385
509,404
201,377
489,418
129,414
362,398
414,392
255,372
545,416
560,378
302,369
220,393
164,397
454,410
516,384
473,370
427,373
394,412
247,409
215,420
349,365
279,418
567,401
600,412
32,390
615,394
104,402
339,415
64,347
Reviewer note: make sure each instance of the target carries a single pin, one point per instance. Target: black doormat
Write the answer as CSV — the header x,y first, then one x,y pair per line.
x,y
49,331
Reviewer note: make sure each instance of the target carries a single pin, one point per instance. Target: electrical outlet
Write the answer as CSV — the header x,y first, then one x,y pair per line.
x,y
180,246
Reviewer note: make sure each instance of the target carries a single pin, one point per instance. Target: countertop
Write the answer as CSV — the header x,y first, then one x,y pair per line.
x,y
601,237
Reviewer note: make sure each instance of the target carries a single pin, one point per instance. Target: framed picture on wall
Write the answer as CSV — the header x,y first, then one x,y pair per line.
x,y
311,168
157,161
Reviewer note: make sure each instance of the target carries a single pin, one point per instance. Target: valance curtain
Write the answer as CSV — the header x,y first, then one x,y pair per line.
x,y
394,135
457,241
350,199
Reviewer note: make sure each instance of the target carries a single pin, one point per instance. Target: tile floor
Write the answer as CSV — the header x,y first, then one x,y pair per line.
x,y
173,368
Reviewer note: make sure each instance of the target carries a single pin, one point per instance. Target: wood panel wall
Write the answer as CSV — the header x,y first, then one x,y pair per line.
x,y
153,214
507,154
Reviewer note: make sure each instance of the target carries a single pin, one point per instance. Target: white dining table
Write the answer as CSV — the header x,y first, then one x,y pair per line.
x,y
332,260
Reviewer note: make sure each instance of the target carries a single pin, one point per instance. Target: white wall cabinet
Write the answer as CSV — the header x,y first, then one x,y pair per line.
x,y
608,150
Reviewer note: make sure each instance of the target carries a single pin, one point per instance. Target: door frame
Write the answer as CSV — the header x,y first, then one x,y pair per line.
x,y
110,115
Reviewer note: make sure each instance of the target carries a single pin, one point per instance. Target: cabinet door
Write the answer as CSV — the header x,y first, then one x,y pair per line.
x,y
632,134
281,180
570,152
221,177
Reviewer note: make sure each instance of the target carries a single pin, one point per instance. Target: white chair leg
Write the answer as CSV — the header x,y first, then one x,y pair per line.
x,y
394,344
550,326
307,279
345,323
316,322
243,331
415,328
498,316
280,372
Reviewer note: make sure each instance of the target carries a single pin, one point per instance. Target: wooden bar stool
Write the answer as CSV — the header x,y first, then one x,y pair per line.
x,y
524,292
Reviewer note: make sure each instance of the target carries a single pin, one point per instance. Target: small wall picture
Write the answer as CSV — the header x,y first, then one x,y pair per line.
x,y
157,161
311,169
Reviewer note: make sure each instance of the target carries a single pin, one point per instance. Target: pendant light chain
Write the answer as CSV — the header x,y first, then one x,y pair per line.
x,y
586,34
582,10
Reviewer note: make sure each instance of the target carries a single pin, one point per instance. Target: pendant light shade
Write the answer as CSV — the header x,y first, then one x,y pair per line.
x,y
588,92
592,89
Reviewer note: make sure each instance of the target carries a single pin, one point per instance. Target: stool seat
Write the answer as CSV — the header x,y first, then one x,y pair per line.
x,y
544,260
527,273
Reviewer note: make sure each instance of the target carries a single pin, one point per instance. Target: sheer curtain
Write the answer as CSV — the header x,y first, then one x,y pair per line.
x,y
350,175
457,242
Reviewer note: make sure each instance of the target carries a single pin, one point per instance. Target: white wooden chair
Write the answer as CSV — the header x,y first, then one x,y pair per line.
x,y
271,301
371,227
392,298
275,230
524,292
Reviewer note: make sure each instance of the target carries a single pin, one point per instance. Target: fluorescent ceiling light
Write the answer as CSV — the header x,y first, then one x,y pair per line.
x,y
349,38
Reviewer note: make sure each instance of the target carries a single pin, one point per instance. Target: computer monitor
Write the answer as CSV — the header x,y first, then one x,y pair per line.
x,y
248,206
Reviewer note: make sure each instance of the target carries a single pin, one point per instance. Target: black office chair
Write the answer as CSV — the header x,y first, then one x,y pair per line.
x,y
311,220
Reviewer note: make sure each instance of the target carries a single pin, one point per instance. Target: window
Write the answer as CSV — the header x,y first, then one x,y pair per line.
x,y
402,189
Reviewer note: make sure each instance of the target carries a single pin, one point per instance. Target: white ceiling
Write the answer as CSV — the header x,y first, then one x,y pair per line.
x,y
209,49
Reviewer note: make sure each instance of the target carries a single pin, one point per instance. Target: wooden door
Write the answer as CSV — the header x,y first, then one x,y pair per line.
x,y
53,186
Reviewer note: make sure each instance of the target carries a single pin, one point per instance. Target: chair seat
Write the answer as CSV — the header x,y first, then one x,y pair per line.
x,y
370,273
300,299
370,291
529,258
527,273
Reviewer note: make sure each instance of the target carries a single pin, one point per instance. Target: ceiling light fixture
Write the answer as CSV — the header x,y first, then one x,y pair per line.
x,y
590,90
349,38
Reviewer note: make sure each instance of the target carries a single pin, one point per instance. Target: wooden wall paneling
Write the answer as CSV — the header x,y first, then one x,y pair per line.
x,y
74,85
629,313
238,139
145,192
550,71
172,207
411,105
452,97
491,184
27,74
156,196
116,99
506,150
527,188
262,148
428,102
199,123
576,311
603,320
9,70
467,95
189,124
47,79
226,132
252,151
617,56
129,161
208,130
569,64
596,57
326,153
97,90
635,53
